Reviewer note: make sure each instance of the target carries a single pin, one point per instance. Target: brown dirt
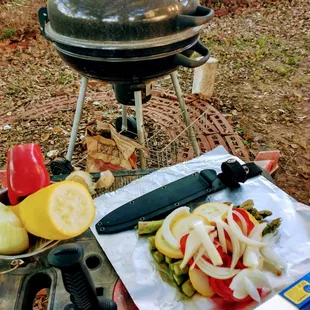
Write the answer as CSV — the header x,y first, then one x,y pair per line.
x,y
263,83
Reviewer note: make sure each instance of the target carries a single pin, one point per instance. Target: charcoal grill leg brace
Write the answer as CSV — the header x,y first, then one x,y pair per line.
x,y
191,133
140,126
77,118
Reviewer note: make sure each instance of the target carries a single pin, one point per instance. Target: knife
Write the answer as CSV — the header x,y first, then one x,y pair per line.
x,y
160,202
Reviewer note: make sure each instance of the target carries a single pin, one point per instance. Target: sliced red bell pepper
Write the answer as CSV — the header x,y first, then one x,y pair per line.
x,y
26,171
221,288
183,243
245,215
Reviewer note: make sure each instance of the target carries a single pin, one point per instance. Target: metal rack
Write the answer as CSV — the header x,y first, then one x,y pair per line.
x,y
139,118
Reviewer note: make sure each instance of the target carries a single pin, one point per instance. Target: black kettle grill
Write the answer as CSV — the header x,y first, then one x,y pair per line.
x,y
128,44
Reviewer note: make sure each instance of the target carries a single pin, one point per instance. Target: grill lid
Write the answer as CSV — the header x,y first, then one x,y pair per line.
x,y
122,24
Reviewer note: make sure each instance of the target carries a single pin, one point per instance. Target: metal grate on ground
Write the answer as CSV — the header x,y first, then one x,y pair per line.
x,y
210,126
167,141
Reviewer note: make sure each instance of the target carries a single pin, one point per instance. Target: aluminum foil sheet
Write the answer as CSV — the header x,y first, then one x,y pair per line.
x,y
135,266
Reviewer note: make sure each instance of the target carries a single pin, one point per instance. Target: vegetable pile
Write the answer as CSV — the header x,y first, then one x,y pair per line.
x,y
59,211
218,249
49,211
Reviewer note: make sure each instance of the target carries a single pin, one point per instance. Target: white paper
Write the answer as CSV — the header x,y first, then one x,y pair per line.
x,y
134,264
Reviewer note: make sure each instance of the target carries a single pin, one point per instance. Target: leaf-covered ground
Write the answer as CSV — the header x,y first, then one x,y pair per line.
x,y
263,83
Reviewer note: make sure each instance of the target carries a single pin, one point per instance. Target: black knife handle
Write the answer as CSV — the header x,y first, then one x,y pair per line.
x,y
77,279
234,173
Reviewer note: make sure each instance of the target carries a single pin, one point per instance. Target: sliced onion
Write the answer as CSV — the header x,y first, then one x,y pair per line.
x,y
257,277
238,233
214,255
193,243
240,293
243,222
214,271
251,257
247,281
251,289
269,255
202,250
222,238
242,249
198,256
166,226
234,242
271,239
213,235
256,233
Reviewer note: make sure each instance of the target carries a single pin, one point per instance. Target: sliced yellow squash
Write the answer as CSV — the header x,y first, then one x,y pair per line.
x,y
200,282
60,211
212,211
164,248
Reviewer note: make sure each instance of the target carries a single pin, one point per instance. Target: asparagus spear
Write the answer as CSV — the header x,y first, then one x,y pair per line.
x,y
168,260
166,274
188,288
151,241
171,267
145,228
164,268
272,226
265,213
177,270
247,205
180,279
158,257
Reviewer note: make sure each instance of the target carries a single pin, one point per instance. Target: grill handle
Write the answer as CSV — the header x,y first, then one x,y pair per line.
x,y
43,19
185,61
201,17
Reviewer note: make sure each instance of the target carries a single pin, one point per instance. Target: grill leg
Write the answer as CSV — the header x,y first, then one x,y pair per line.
x,y
184,112
77,118
124,118
140,126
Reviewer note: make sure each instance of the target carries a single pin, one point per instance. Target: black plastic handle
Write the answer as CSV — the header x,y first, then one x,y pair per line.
x,y
182,60
43,19
201,17
77,279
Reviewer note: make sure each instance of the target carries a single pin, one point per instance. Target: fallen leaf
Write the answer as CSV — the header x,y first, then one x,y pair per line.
x,y
57,129
45,138
25,56
294,146
52,153
90,131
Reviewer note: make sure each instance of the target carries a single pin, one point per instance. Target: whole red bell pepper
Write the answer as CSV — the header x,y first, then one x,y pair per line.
x,y
26,171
